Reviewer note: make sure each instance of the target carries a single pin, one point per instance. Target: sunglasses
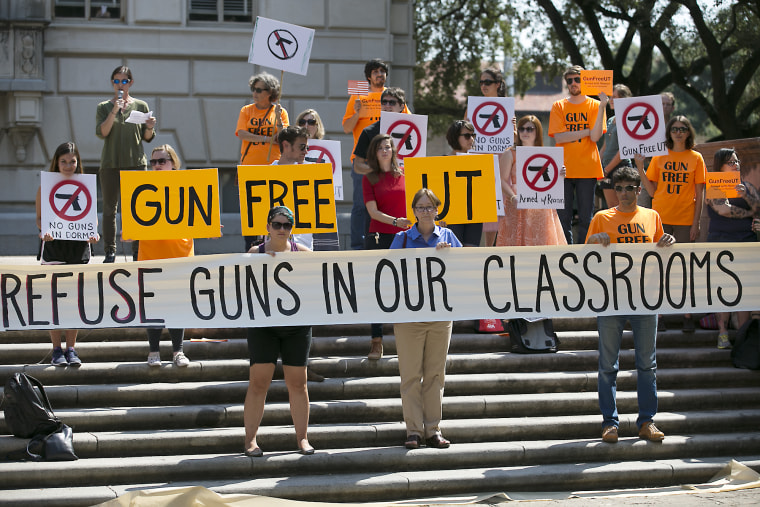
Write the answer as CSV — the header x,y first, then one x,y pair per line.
x,y
733,163
467,135
303,147
487,82
526,129
571,80
159,161
260,90
628,188
121,81
675,130
281,225
304,121
388,103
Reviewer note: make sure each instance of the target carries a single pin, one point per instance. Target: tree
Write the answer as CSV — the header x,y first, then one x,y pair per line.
x,y
705,48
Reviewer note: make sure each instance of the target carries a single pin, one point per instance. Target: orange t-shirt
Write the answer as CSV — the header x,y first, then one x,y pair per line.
x,y
581,157
677,176
640,226
369,114
260,122
154,249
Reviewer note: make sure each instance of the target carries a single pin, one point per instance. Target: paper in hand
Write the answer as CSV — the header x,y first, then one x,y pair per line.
x,y
138,117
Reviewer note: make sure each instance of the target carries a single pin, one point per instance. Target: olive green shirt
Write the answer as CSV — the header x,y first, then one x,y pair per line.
x,y
122,148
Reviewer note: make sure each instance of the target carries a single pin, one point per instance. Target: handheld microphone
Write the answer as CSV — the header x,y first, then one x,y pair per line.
x,y
121,96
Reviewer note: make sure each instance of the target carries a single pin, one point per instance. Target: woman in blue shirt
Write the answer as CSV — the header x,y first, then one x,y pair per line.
x,y
422,346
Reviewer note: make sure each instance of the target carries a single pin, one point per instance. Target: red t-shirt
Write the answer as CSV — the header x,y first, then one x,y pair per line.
x,y
390,196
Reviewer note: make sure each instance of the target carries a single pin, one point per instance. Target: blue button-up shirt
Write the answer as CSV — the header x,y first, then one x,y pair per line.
x,y
415,240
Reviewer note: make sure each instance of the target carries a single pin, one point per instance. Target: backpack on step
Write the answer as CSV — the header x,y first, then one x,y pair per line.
x,y
27,410
534,337
746,351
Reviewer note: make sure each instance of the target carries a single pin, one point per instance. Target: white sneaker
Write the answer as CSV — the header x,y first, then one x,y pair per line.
x,y
154,359
180,359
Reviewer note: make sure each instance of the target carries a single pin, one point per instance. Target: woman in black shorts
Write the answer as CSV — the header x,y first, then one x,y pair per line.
x,y
266,344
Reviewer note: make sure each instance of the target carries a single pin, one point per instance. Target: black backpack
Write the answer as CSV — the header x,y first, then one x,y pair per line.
x,y
535,337
27,410
746,351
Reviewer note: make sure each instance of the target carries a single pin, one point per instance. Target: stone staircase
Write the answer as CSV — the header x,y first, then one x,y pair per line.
x,y
516,422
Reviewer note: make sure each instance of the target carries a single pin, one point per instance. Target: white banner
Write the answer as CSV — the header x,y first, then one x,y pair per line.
x,y
328,152
281,45
408,285
68,206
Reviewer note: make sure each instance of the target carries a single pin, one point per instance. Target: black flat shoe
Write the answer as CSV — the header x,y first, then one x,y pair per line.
x,y
256,452
438,442
306,451
413,442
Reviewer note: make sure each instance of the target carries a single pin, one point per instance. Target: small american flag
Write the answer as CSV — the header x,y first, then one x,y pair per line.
x,y
358,88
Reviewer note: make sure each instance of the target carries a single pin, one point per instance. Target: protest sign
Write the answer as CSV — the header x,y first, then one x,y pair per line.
x,y
404,285
640,126
328,152
539,183
459,182
593,82
68,206
170,204
281,46
492,118
408,131
722,185
307,189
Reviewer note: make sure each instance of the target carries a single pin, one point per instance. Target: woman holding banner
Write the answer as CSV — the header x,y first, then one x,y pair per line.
x,y
164,158
422,346
731,221
385,199
525,227
676,182
66,161
266,344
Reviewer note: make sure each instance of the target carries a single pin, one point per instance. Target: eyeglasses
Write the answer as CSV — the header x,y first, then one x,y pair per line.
x,y
260,90
467,135
628,188
733,163
526,129
571,80
304,121
425,209
281,225
675,130
159,161
121,81
487,82
388,102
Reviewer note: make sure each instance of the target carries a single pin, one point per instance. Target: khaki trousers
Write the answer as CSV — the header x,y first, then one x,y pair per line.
x,y
422,348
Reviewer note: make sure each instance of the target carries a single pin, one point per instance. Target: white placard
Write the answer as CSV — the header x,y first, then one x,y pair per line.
x,y
409,133
493,119
328,152
69,206
539,182
640,126
280,45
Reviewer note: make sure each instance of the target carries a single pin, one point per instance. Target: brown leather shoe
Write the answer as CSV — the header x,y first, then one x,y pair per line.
x,y
376,350
312,376
437,441
650,432
413,442
610,434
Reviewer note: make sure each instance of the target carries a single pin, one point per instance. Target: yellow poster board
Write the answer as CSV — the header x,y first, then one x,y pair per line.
x,y
170,204
307,189
464,184
594,82
722,185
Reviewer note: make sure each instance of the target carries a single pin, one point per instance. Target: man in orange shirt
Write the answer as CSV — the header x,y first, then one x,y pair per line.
x,y
628,223
576,123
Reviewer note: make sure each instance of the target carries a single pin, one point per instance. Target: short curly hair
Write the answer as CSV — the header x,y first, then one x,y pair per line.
x,y
270,81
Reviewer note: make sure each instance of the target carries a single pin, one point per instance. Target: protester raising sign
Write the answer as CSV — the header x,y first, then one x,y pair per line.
x,y
492,118
68,206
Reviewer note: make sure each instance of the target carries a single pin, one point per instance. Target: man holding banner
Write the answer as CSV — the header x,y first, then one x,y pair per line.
x,y
576,123
628,223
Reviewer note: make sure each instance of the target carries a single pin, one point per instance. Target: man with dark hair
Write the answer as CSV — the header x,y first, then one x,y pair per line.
x,y
392,100
628,223
361,112
292,139
576,123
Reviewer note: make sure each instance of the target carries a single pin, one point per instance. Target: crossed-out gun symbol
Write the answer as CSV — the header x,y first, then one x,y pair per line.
x,y
496,123
644,120
74,202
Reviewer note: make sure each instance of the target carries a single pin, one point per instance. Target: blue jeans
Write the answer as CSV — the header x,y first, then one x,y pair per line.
x,y
580,192
359,215
644,343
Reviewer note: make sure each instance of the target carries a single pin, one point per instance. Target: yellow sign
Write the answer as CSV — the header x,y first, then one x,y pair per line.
x,y
170,204
594,82
464,184
722,185
307,189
